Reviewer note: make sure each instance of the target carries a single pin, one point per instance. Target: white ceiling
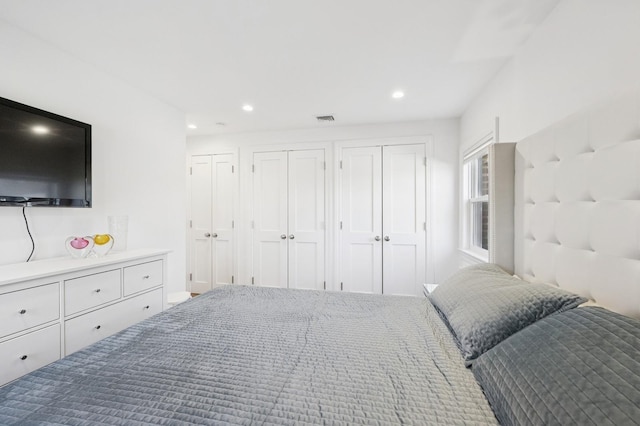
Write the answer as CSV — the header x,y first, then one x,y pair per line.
x,y
291,59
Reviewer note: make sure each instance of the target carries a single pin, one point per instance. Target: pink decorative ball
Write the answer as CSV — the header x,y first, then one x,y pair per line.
x,y
79,243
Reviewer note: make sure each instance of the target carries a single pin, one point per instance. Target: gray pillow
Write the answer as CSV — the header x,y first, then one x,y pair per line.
x,y
580,367
483,305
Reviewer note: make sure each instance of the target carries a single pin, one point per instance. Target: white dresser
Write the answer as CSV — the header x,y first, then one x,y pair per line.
x,y
51,308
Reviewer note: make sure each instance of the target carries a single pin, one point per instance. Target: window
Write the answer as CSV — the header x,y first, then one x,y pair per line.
x,y
476,200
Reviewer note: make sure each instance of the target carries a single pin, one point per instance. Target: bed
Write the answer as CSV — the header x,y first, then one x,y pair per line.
x,y
251,355
485,347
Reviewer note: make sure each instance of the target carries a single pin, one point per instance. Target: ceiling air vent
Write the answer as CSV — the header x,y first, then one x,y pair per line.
x,y
325,118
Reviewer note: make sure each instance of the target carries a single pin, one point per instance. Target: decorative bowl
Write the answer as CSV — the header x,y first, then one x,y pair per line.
x,y
79,247
103,244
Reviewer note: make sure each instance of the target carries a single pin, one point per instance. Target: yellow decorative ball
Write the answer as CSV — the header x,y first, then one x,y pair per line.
x,y
101,239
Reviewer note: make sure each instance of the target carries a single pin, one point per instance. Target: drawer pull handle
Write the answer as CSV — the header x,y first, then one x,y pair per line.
x,y
97,290
147,307
146,277
23,357
22,311
98,327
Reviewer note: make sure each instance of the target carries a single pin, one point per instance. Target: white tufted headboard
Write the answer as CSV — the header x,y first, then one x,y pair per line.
x,y
577,205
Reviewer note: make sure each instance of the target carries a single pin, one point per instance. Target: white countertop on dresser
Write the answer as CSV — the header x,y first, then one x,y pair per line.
x,y
60,265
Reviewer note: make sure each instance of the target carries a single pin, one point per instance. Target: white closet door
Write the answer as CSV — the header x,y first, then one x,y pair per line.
x,y
306,219
270,219
201,210
361,220
403,219
222,218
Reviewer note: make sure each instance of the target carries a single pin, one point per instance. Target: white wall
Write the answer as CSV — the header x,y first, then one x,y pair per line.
x,y
443,162
585,51
138,150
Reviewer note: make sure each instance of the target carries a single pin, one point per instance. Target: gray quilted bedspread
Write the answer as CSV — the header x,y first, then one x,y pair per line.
x,y
247,355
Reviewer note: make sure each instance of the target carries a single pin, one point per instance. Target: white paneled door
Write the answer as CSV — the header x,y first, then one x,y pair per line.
x,y
201,212
289,219
403,219
383,219
306,219
212,221
270,219
361,220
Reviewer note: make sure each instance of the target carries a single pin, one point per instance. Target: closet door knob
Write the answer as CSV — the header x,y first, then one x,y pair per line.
x,y
22,311
377,238
23,357
98,327
291,237
214,235
386,238
146,307
284,237
208,234
97,290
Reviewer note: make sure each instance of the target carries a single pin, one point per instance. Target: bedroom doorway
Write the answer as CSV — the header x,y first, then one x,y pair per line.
x,y
382,235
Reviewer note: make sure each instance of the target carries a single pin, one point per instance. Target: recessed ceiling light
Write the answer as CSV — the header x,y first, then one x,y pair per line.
x,y
192,126
397,94
220,123
40,130
247,107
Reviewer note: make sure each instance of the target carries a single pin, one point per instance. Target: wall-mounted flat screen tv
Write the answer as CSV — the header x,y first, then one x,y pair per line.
x,y
45,159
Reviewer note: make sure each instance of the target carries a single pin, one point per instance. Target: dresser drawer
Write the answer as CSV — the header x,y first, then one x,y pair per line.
x,y
141,277
23,309
142,307
26,353
90,291
93,326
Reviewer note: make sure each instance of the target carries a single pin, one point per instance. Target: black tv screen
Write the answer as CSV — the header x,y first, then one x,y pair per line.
x,y
45,159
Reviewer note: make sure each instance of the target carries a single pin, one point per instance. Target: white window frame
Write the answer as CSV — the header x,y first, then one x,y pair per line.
x,y
470,198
